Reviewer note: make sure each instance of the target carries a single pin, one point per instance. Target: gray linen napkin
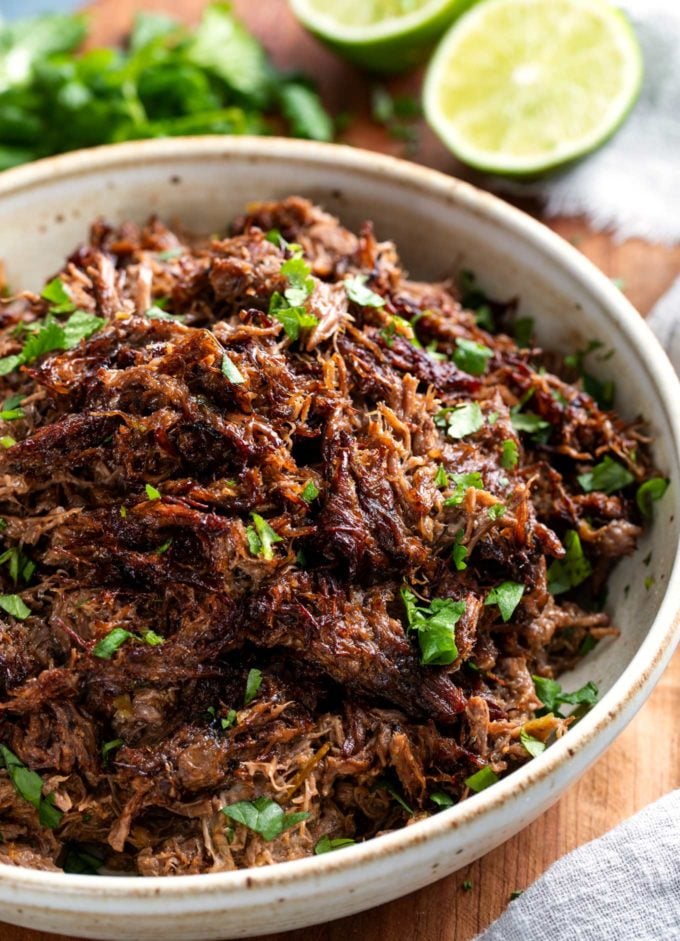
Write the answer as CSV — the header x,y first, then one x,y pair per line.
x,y
624,886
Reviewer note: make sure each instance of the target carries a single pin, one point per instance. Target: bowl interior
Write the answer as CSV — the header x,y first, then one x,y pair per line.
x,y
437,230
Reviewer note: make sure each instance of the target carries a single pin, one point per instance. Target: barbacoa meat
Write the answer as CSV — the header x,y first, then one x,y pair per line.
x,y
246,494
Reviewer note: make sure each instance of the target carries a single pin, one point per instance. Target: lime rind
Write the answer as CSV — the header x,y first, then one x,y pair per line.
x,y
392,44
474,31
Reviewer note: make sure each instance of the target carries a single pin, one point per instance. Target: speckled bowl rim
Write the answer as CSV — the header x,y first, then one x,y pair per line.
x,y
616,707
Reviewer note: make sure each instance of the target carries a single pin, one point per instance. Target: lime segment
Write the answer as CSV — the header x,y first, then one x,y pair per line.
x,y
380,35
521,86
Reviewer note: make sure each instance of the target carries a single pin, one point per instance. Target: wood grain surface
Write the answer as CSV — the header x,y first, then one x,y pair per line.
x,y
644,762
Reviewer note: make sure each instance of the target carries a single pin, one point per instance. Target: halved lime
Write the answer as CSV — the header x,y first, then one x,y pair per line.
x,y
521,86
380,35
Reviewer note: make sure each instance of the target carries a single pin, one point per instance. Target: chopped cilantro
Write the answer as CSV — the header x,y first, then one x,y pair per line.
x,y
462,482
649,492
587,645
461,420
293,319
571,570
58,297
310,491
459,553
435,624
467,885
649,581
261,537
108,747
229,721
496,511
441,478
328,845
551,695
82,862
29,785
509,454
606,476
170,253
300,284
18,564
151,492
395,795
108,645
481,779
533,746
253,683
527,421
441,799
507,596
7,441
162,549
263,816
515,894
358,292
231,372
523,330
14,605
52,335
471,357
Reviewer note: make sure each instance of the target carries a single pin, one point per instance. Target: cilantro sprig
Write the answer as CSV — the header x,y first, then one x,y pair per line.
x,y
29,785
263,816
572,569
435,624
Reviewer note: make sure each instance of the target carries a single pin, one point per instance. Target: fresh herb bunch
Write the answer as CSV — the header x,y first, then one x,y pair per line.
x,y
168,81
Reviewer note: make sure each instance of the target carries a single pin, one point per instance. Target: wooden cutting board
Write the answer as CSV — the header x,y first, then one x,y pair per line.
x,y
644,762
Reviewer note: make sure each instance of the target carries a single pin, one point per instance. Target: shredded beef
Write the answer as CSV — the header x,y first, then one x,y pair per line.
x,y
143,473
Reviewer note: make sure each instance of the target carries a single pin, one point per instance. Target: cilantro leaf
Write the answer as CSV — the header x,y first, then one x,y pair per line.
x,y
261,537
107,646
459,553
253,683
523,331
230,370
481,779
606,476
435,624
263,816
108,747
15,606
649,492
551,695
571,570
527,421
310,491
461,483
507,596
29,785
441,477
306,115
461,420
533,746
58,297
509,454
151,492
471,357
358,292
328,845
441,799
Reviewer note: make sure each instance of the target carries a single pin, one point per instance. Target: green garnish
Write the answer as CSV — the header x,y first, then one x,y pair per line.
x,y
263,816
602,392
395,795
229,721
310,491
481,779
606,476
81,862
441,477
507,596
509,454
167,80
397,326
462,482
162,549
10,409
496,511
527,421
170,253
649,492
253,683
300,284
471,357
327,845
14,605
108,645
533,746
571,570
7,441
435,624
293,319
231,371
460,420
515,894
649,581
551,695
108,747
53,335
467,885
18,564
58,297
261,537
29,785
459,553
358,292
441,799
523,331
151,492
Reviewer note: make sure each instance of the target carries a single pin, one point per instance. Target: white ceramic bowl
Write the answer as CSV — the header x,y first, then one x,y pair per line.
x,y
439,224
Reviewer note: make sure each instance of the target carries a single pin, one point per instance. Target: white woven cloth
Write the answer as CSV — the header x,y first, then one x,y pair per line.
x,y
623,887
632,184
